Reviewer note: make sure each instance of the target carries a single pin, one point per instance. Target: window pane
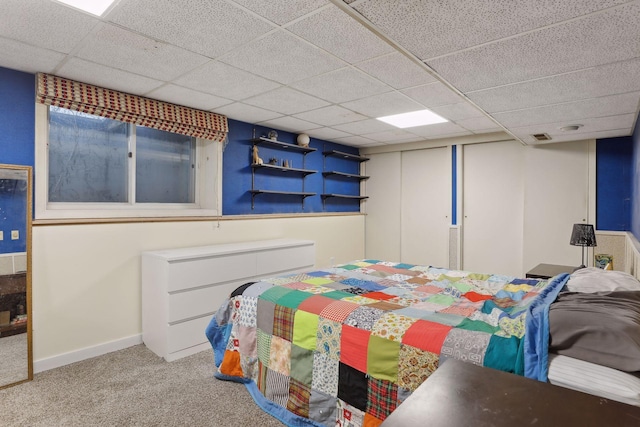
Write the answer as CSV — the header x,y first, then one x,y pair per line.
x,y
87,157
165,169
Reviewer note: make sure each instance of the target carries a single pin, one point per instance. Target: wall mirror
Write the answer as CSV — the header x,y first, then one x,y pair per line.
x,y
16,353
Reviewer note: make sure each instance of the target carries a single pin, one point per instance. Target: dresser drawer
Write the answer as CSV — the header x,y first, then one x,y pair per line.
x,y
187,334
283,259
207,271
199,302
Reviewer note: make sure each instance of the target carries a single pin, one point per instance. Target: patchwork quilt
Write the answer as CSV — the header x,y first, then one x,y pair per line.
x,y
345,346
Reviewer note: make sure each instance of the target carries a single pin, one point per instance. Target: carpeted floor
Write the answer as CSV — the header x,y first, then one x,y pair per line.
x,y
132,387
13,358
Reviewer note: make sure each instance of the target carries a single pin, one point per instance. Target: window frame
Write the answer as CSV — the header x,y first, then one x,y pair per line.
x,y
208,185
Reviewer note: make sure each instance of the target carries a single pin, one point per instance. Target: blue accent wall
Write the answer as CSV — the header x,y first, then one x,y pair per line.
x,y
454,185
635,181
17,117
613,183
237,175
17,134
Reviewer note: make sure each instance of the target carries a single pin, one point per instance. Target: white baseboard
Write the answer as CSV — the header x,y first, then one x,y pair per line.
x,y
85,353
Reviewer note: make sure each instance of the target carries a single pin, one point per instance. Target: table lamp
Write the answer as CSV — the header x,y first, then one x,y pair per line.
x,y
583,235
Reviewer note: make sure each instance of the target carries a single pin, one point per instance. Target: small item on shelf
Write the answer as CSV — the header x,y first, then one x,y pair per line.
x,y
273,135
285,163
5,317
303,140
256,159
273,161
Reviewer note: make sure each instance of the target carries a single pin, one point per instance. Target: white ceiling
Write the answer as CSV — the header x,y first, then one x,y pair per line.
x,y
329,67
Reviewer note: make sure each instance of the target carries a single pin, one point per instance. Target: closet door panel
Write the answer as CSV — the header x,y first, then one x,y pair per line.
x,y
382,224
425,209
493,198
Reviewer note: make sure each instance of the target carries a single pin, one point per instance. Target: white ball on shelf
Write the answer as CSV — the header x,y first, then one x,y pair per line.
x,y
303,140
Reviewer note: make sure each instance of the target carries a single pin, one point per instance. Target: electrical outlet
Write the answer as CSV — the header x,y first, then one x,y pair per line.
x,y
1,235
15,234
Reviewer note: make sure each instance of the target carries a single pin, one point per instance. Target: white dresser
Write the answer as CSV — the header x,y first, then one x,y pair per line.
x,y
183,288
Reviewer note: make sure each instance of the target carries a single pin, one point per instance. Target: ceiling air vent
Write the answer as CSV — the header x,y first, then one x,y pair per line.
x,y
541,137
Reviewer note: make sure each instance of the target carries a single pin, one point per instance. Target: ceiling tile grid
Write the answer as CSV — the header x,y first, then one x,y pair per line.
x,y
330,67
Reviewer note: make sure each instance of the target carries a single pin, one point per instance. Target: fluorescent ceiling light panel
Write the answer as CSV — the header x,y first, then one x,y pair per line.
x,y
94,7
413,119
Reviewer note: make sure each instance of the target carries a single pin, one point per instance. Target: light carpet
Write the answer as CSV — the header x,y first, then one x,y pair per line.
x,y
132,387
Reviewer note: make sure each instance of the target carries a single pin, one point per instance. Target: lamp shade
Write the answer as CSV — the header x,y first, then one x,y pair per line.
x,y
583,235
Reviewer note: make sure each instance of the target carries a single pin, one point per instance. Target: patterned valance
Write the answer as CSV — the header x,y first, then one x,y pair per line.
x,y
65,93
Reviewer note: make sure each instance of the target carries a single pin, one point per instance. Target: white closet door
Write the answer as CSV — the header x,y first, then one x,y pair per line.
x,y
557,196
426,201
493,199
382,224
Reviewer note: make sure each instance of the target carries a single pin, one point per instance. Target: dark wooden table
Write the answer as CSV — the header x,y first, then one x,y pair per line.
x,y
462,394
547,271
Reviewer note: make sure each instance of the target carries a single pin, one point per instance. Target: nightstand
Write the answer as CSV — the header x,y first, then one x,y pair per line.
x,y
547,271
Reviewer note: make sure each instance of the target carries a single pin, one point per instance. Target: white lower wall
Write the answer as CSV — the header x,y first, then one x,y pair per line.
x,y
86,278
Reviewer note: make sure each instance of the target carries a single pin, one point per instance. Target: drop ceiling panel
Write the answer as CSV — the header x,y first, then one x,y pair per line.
x,y
610,79
290,124
327,133
433,95
357,141
331,115
30,59
610,36
286,101
364,127
44,23
572,111
394,136
118,48
282,57
396,70
458,111
247,113
280,11
207,27
383,105
226,81
337,33
187,97
478,123
345,84
439,130
599,124
429,29
100,75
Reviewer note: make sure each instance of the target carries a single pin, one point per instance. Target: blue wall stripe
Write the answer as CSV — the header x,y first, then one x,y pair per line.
x,y
454,185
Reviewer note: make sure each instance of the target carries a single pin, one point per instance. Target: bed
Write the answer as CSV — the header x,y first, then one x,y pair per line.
x,y
346,345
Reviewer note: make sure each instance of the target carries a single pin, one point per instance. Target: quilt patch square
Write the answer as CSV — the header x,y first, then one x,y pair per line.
x,y
468,346
280,355
353,347
349,416
383,398
328,338
426,335
248,342
392,326
325,374
415,366
352,386
364,317
264,318
323,408
247,311
338,310
301,365
380,296
305,326
315,304
283,322
382,358
274,293
277,387
256,289
299,395
293,299
264,347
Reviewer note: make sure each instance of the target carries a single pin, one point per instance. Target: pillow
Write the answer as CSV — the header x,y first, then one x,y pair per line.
x,y
593,279
602,328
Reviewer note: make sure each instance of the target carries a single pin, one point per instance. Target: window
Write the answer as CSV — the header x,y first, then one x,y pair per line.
x,y
97,167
